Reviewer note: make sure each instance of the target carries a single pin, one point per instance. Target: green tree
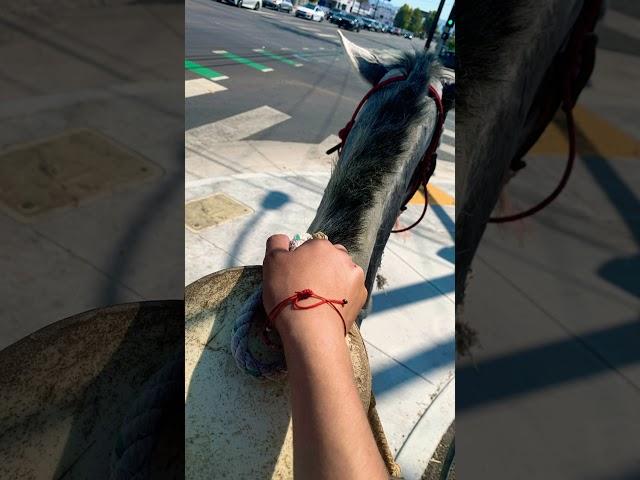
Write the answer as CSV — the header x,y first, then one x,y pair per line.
x,y
451,44
403,17
428,20
416,22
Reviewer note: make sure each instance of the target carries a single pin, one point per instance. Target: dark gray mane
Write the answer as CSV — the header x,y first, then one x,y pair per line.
x,y
481,50
375,149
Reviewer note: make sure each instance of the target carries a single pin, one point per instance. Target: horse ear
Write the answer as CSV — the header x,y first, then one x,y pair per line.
x,y
364,61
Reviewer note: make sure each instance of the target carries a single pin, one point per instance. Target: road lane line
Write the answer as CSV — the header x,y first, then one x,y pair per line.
x,y
233,128
605,138
244,61
437,196
282,59
201,86
203,71
326,35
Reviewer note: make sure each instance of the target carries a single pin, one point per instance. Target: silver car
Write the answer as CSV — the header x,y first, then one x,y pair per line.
x,y
255,4
285,6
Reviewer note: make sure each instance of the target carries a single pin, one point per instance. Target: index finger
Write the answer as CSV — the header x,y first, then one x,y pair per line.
x,y
277,242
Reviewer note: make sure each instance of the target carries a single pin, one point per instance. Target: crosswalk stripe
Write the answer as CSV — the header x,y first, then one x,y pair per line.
x,y
201,86
242,60
203,71
622,23
449,133
266,53
447,148
234,128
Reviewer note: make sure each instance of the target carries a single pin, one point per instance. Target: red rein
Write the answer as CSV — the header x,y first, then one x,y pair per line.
x,y
303,295
575,54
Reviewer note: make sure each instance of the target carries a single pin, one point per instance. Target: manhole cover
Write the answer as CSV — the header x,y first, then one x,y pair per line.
x,y
211,211
64,170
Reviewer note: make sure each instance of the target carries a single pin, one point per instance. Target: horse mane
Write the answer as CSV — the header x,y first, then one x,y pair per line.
x,y
375,148
482,53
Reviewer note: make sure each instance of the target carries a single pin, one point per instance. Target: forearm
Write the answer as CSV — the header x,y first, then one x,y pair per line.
x,y
331,435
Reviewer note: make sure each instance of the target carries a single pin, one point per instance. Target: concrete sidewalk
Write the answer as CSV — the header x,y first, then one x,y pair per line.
x,y
410,333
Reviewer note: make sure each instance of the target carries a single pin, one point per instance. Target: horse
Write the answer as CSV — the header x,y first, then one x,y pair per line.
x,y
236,425
520,61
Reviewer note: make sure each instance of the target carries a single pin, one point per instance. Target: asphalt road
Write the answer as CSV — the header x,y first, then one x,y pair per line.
x,y
319,94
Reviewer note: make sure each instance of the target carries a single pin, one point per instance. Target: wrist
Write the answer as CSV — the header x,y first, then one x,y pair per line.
x,y
305,326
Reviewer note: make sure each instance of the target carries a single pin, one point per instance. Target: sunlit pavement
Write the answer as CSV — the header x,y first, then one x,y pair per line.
x,y
62,83
409,335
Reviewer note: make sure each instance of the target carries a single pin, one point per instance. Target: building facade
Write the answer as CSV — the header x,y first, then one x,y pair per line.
x,y
385,12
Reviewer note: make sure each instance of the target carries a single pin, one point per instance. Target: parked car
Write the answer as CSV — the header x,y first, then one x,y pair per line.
x,y
285,6
349,22
255,4
408,35
271,4
369,23
329,16
384,28
336,15
310,12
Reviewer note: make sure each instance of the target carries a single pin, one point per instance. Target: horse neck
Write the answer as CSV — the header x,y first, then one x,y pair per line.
x,y
364,221
492,110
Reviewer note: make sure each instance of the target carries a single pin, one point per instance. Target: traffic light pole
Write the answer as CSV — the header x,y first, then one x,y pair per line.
x,y
432,30
446,31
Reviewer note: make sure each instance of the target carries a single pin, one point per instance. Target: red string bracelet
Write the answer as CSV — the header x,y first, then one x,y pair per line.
x,y
303,295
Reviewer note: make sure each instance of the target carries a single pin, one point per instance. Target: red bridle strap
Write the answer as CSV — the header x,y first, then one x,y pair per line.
x,y
427,164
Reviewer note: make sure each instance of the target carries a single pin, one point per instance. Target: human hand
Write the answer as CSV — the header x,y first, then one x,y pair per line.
x,y
318,265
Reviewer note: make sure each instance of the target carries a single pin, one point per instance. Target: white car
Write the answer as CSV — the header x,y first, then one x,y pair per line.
x,y
255,4
311,12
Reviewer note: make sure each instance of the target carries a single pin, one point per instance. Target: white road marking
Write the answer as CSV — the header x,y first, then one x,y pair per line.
x,y
201,86
234,128
327,35
449,133
305,48
285,48
265,70
222,52
622,23
447,148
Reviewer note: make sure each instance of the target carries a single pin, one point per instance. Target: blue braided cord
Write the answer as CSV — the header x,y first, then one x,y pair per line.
x,y
240,344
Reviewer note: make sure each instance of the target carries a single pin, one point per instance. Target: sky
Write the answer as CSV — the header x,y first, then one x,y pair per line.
x,y
426,5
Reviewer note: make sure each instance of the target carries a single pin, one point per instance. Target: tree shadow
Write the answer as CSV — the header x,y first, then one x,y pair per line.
x,y
273,200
